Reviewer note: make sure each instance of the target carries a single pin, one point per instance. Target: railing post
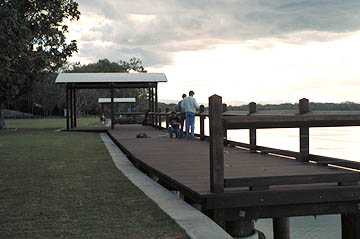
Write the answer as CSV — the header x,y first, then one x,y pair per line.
x,y
304,133
202,122
252,132
159,118
224,109
216,154
216,144
167,118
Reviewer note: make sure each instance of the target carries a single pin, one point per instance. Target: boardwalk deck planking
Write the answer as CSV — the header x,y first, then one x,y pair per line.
x,y
184,165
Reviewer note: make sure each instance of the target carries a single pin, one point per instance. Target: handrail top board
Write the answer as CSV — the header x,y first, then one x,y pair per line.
x,y
291,121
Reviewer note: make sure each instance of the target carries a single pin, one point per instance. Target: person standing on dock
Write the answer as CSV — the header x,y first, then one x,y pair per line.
x,y
190,106
181,110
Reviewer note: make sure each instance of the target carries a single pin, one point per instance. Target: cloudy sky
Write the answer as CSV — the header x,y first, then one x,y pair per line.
x,y
244,50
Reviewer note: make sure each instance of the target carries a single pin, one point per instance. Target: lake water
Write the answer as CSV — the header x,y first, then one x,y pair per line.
x,y
338,142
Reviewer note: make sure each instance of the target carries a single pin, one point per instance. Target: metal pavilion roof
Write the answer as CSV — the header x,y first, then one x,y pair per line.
x,y
116,100
110,77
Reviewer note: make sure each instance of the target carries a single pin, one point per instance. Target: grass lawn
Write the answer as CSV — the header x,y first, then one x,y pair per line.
x,y
50,123
65,185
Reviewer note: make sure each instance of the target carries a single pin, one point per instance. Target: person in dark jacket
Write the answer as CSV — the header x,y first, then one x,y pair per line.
x,y
174,125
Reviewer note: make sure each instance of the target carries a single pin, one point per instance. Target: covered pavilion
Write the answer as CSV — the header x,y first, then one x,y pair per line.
x,y
111,81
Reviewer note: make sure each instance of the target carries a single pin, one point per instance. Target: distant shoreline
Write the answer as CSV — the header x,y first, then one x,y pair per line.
x,y
286,106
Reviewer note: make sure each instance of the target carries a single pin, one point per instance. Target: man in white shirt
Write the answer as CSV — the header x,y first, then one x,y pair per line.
x,y
190,105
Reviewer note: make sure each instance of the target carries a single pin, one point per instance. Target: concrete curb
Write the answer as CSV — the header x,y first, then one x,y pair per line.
x,y
196,224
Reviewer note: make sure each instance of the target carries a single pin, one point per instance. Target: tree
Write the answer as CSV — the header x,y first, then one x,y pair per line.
x,y
87,99
32,40
105,65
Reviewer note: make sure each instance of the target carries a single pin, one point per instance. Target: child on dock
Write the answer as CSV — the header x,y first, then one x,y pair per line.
x,y
174,125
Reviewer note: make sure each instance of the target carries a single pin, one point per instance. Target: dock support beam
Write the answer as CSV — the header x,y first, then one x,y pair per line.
x,y
350,226
281,228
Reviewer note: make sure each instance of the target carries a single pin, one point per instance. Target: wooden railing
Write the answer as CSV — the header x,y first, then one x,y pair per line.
x,y
220,122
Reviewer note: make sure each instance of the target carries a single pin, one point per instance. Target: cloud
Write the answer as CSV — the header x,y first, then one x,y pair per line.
x,y
154,30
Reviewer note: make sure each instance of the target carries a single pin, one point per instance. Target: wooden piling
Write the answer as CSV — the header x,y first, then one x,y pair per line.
x,y
281,228
350,226
238,229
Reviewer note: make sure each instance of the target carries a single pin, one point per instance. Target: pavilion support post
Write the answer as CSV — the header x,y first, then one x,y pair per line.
x,y
112,106
154,108
304,155
149,99
350,226
75,120
150,106
156,98
71,107
202,122
224,109
67,107
102,108
281,228
156,105
252,131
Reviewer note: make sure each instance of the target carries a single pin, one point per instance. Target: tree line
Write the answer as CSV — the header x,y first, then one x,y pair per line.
x,y
345,106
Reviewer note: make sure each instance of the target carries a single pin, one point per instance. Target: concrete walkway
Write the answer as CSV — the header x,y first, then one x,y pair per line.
x,y
196,224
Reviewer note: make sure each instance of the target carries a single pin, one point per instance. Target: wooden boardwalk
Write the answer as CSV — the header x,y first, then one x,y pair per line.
x,y
183,165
